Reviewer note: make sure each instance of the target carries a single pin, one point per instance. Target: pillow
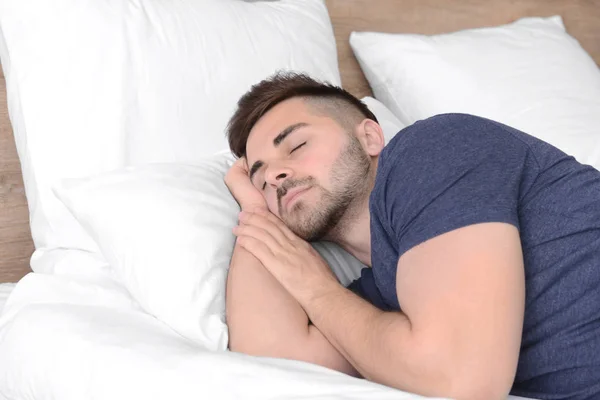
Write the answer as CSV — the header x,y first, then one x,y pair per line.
x,y
529,74
165,229
95,86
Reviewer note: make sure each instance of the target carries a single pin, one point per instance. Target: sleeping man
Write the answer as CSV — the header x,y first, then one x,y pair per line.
x,y
482,242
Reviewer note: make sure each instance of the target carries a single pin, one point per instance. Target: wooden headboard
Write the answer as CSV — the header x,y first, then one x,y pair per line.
x,y
581,17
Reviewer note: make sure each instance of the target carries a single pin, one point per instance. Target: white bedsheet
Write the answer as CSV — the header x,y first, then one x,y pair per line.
x,y
81,336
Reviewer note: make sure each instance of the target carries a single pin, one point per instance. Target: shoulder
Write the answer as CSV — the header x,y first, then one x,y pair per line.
x,y
451,132
446,142
448,167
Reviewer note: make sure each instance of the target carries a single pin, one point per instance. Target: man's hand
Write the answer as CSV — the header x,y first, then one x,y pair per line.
x,y
263,317
242,189
291,260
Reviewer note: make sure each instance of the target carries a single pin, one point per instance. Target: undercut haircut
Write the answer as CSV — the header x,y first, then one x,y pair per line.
x,y
322,98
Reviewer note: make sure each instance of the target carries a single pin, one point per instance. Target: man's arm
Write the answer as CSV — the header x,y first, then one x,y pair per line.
x,y
265,320
462,295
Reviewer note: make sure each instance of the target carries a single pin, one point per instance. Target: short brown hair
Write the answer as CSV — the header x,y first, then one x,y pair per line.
x,y
332,100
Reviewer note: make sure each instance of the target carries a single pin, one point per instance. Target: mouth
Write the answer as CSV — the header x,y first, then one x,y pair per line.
x,y
292,196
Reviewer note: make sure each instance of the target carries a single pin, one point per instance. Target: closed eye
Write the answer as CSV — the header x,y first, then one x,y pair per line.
x,y
297,147
264,186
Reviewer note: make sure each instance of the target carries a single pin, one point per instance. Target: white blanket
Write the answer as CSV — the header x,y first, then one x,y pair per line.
x,y
81,336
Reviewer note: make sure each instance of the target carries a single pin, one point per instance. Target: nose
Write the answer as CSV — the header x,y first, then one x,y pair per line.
x,y
276,174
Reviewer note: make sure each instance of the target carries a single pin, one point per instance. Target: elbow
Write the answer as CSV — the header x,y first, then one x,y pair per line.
x,y
474,383
472,390
457,376
481,379
450,384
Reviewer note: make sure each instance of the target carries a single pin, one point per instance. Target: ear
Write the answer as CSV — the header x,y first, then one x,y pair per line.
x,y
370,135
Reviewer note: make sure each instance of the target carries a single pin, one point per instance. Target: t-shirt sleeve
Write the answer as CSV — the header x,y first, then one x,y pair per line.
x,y
447,172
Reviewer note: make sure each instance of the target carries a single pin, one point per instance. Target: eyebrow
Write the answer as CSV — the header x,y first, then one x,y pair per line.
x,y
276,142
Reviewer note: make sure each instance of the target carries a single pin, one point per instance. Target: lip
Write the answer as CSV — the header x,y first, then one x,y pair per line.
x,y
292,195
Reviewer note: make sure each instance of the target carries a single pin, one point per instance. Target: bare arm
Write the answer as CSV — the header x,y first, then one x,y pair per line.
x,y
462,296
265,320
459,336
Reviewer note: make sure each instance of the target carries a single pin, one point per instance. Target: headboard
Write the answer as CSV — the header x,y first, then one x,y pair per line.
x,y
581,17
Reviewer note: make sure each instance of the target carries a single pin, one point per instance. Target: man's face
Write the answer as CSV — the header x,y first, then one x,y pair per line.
x,y
307,167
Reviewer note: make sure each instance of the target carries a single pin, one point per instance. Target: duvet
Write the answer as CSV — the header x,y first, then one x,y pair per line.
x,y
75,336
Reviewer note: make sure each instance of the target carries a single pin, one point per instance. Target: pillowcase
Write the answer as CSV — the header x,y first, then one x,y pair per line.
x,y
530,74
95,86
166,231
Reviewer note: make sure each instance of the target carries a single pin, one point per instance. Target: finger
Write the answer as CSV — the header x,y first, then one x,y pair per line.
x,y
269,226
278,222
259,234
258,249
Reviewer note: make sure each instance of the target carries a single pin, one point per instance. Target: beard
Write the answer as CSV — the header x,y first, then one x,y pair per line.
x,y
350,182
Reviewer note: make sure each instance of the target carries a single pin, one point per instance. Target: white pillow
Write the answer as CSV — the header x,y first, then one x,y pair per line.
x,y
95,86
165,229
529,74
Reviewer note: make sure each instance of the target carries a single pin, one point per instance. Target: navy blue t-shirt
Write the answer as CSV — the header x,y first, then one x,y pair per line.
x,y
454,170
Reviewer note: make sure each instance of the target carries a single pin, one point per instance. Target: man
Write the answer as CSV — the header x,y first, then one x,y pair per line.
x,y
483,243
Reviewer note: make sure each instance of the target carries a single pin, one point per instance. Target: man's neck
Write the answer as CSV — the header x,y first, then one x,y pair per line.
x,y
353,233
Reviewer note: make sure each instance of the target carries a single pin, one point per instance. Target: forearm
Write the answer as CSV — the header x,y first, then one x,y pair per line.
x,y
265,320
380,345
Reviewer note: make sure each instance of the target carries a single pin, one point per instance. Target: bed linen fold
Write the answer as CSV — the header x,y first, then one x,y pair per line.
x,y
67,337
74,336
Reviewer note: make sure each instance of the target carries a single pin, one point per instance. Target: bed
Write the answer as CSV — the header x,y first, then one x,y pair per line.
x,y
133,339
